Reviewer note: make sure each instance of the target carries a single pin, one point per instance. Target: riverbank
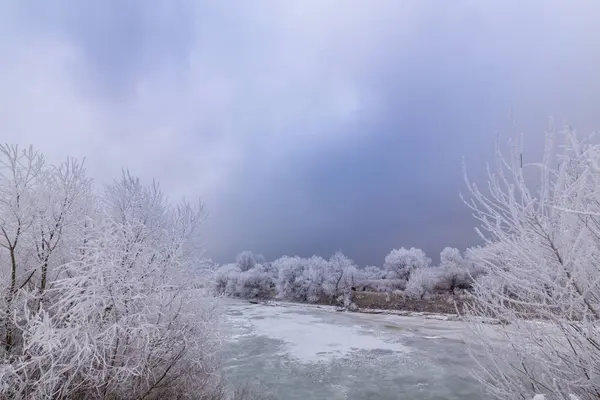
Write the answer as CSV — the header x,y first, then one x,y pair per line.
x,y
392,303
434,304
374,311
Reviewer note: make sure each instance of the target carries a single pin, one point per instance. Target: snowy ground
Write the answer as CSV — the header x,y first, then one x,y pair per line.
x,y
303,352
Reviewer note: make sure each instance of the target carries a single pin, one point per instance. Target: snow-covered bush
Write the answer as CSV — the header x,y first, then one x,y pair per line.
x,y
255,282
311,279
317,269
225,279
372,279
372,272
339,277
247,260
473,257
385,285
542,248
422,281
292,281
453,272
259,281
96,296
316,280
399,263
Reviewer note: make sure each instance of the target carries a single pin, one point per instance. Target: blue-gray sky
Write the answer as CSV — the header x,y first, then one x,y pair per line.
x,y
306,126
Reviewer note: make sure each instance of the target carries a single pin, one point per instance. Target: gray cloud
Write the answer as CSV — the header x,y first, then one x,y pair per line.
x,y
307,127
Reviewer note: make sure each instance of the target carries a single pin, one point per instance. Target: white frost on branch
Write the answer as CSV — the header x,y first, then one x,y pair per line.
x,y
542,253
401,262
100,295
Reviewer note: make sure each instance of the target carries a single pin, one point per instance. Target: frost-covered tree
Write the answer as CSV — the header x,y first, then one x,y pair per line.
x,y
401,262
541,257
311,279
225,279
246,260
96,296
454,273
250,276
21,174
63,203
422,281
339,277
386,285
372,272
451,257
369,277
256,282
473,260
292,280
316,274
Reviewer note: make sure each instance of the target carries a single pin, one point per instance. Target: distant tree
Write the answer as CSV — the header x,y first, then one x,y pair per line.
x,y
372,272
451,257
401,262
339,276
386,285
269,268
225,279
422,281
246,260
454,273
260,259
255,282
473,258
292,280
316,270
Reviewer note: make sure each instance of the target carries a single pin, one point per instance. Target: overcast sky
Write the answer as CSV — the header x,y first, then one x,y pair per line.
x,y
306,126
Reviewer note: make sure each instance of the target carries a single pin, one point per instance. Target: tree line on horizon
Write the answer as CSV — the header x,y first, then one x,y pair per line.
x,y
316,279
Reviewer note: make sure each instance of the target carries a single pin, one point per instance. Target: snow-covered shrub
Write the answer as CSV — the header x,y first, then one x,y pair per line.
x,y
270,269
246,260
96,296
225,279
453,272
292,280
364,276
384,285
255,282
311,279
474,260
422,281
541,259
259,281
339,277
317,268
372,272
399,263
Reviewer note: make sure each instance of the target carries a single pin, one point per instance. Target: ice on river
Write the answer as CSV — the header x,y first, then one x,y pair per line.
x,y
309,338
308,352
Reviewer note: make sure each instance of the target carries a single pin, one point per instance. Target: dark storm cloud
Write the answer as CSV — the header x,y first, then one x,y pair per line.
x,y
307,127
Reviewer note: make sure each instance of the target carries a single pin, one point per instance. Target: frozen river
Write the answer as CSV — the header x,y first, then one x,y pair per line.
x,y
303,352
